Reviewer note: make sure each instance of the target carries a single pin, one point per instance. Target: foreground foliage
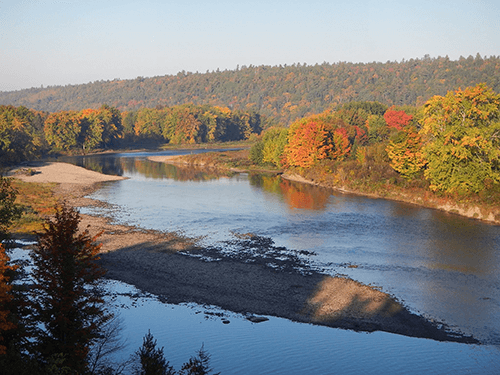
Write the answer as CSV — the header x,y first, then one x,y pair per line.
x,y
67,308
56,321
6,321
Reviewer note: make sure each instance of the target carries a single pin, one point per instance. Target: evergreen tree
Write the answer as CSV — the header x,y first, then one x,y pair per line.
x,y
198,365
67,308
152,359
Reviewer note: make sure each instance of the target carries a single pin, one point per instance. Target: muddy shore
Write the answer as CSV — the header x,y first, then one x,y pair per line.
x,y
177,270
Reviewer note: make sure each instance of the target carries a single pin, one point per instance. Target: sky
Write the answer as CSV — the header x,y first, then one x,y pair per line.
x,y
66,42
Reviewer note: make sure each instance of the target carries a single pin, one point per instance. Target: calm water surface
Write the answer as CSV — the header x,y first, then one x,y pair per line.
x,y
440,265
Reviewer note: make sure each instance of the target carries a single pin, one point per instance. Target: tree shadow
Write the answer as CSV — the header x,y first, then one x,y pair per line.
x,y
256,288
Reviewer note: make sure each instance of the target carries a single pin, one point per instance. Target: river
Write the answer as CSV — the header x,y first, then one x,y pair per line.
x,y
440,265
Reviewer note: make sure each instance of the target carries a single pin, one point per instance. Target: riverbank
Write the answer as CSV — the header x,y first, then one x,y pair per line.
x,y
176,269
418,196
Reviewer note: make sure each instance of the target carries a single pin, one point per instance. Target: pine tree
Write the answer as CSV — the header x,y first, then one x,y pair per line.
x,y
198,365
67,308
152,359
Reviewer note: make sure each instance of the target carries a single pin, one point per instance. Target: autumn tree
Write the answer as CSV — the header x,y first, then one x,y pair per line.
x,y
13,359
6,323
9,210
461,132
406,153
270,149
111,119
315,138
397,119
62,130
100,128
67,309
21,134
308,143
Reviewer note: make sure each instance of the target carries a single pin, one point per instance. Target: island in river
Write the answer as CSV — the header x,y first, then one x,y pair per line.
x,y
163,264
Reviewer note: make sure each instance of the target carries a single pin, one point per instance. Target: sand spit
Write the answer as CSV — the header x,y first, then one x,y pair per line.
x,y
176,269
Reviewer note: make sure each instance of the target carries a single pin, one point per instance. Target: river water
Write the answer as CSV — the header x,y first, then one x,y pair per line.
x,y
440,265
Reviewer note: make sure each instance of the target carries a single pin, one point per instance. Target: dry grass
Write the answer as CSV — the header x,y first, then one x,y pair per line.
x,y
38,201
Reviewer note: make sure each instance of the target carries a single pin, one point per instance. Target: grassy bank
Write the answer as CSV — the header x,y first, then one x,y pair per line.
x,y
237,160
38,201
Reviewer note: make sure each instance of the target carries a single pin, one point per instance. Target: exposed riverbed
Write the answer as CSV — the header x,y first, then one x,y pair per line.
x,y
440,265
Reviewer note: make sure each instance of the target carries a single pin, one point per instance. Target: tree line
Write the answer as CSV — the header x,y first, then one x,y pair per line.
x,y
452,142
283,93
27,134
54,319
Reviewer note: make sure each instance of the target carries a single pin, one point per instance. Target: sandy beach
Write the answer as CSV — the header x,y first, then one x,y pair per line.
x,y
170,266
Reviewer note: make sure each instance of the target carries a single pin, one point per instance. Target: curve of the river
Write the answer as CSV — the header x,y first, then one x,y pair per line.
x,y
440,265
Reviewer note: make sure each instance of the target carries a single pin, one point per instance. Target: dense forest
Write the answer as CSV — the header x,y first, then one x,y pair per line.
x,y
283,93
449,145
27,134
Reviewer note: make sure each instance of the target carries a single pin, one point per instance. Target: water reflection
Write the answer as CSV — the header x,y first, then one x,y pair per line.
x,y
175,172
295,195
442,265
106,163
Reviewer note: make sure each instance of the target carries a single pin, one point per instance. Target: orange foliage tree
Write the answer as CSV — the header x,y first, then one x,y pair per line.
x,y
316,138
397,119
5,296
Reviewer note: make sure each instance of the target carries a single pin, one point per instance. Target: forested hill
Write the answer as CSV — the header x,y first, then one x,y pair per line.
x,y
281,92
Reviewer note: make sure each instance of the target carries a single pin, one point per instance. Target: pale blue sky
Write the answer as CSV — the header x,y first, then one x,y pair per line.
x,y
50,42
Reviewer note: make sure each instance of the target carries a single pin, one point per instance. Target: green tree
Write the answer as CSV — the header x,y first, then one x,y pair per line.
x,y
152,359
150,124
100,128
274,143
62,130
256,152
377,129
461,132
67,308
21,134
198,365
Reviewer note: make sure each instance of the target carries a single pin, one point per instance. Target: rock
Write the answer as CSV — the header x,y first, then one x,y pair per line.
x,y
257,319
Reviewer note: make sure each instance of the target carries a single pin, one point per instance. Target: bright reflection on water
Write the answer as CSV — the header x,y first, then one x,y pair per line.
x,y
440,265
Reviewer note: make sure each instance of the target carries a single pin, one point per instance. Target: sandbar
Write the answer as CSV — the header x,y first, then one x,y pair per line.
x,y
175,269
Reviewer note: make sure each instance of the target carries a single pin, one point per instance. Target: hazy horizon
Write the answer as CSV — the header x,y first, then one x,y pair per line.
x,y
70,42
